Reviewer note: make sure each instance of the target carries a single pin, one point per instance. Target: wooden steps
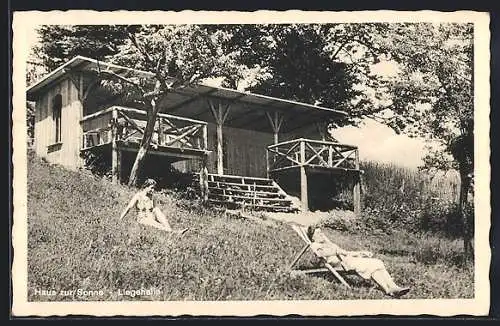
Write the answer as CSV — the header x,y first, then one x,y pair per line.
x,y
249,192
231,191
242,187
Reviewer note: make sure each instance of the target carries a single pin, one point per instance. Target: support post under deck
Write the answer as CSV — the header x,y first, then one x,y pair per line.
x,y
356,195
115,151
204,178
303,177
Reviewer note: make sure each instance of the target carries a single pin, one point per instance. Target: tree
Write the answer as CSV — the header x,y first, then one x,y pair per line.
x,y
59,43
179,56
176,55
322,64
34,71
331,65
432,96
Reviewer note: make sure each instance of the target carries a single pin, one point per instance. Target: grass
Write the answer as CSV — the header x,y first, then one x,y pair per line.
x,y
76,242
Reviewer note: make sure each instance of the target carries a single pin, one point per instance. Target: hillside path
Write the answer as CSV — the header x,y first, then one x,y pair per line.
x,y
308,218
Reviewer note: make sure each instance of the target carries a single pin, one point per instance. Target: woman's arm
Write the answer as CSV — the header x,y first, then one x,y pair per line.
x,y
129,206
362,253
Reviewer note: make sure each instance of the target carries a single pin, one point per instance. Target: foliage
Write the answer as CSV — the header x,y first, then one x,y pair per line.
x,y
176,55
417,201
396,198
434,250
326,64
30,122
74,241
433,93
97,164
59,43
34,70
322,64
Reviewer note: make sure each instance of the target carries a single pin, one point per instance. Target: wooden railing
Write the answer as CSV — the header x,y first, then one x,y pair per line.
x,y
127,125
313,153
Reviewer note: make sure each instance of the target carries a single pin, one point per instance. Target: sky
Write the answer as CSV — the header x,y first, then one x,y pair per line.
x,y
376,142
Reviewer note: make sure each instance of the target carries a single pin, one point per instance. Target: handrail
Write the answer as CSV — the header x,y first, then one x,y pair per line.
x,y
162,115
286,142
97,130
312,141
234,176
122,108
190,133
312,153
96,114
323,142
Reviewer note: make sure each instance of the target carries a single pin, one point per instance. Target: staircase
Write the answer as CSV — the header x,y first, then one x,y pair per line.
x,y
253,193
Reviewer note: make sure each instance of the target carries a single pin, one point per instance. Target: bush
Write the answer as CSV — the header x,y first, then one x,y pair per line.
x,y
400,198
434,250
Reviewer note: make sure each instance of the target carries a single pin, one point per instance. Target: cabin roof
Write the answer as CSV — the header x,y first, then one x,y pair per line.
x,y
303,113
82,63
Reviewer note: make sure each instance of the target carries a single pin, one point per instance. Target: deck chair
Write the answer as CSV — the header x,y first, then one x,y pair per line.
x,y
302,232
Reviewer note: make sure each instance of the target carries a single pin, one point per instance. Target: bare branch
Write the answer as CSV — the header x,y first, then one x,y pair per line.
x,y
378,118
338,49
115,75
144,53
194,77
158,66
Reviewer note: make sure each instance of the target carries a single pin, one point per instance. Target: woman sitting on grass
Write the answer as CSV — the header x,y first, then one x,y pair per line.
x,y
359,261
147,212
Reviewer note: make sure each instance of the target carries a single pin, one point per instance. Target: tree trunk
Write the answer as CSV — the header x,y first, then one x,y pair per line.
x,y
145,142
464,191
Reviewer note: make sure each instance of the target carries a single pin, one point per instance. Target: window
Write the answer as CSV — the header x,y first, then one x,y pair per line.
x,y
56,116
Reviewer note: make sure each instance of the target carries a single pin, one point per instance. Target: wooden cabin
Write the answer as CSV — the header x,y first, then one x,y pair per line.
x,y
245,148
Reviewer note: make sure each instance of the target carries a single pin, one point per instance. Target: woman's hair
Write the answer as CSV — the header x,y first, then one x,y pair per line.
x,y
149,182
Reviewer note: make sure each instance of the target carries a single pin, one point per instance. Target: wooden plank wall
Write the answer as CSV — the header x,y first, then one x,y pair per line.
x,y
245,150
309,132
68,153
101,121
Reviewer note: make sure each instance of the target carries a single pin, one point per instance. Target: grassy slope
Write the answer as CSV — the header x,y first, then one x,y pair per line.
x,y
76,241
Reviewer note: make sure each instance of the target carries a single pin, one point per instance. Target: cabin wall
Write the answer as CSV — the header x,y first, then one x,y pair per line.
x,y
245,152
308,132
67,151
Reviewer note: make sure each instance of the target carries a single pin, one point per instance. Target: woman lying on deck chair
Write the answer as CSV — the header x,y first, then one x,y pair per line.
x,y
147,212
359,261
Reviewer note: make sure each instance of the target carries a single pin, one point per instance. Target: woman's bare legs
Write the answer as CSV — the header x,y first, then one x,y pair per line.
x,y
384,279
153,223
162,219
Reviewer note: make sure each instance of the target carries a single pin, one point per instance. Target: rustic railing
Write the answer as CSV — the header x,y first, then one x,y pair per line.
x,y
128,125
312,153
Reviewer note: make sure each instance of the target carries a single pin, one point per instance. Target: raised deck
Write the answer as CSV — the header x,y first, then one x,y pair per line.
x,y
119,129
300,158
312,154
126,126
